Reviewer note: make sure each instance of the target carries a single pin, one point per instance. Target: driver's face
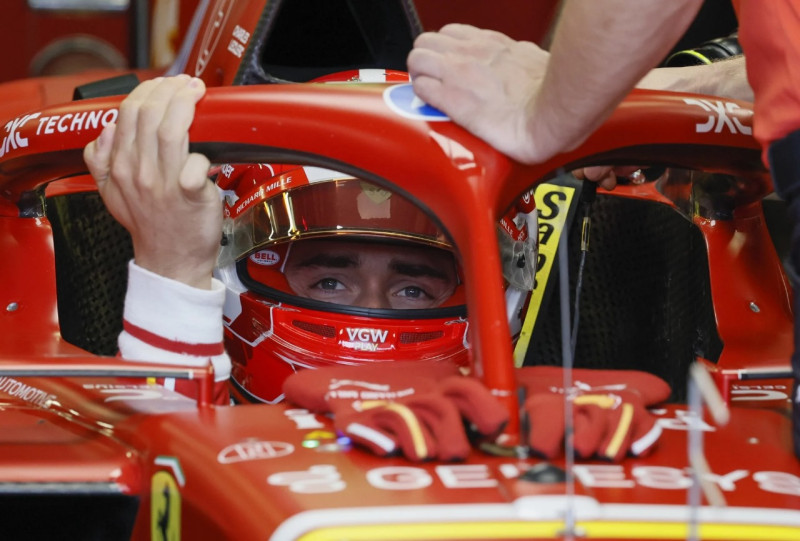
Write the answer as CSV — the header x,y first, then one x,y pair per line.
x,y
371,275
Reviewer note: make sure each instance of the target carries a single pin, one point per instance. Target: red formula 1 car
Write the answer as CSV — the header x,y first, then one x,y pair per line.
x,y
681,268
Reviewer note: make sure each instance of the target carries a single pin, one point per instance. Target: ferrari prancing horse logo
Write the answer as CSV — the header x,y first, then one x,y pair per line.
x,y
165,508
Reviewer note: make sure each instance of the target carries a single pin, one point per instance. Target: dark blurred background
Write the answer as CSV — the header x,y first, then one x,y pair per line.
x,y
52,37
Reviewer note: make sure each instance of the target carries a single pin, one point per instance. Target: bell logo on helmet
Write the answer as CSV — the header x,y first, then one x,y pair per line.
x,y
266,258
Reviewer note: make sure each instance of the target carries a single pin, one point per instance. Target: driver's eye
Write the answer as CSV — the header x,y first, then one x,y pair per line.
x,y
329,284
413,292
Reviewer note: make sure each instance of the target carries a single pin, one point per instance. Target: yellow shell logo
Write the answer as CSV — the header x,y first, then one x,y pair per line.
x,y
165,508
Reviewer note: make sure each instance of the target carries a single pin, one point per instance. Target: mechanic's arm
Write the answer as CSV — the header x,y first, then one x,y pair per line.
x,y
510,95
725,78
602,48
161,194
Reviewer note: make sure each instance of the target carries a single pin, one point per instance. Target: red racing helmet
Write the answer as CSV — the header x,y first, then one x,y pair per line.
x,y
288,306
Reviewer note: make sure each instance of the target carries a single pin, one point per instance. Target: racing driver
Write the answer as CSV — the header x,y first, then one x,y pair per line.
x,y
387,289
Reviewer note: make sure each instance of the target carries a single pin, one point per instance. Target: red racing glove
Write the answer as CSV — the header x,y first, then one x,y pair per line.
x,y
609,407
414,408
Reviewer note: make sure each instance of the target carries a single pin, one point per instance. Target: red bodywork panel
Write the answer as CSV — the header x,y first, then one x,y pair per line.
x,y
276,459
28,288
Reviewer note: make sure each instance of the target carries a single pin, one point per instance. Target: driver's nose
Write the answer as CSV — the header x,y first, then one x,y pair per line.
x,y
372,297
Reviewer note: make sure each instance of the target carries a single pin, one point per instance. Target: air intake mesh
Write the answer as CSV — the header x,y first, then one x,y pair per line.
x,y
646,300
92,251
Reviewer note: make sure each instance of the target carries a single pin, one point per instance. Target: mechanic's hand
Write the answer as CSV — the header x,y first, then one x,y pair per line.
x,y
152,185
610,417
606,175
484,81
414,408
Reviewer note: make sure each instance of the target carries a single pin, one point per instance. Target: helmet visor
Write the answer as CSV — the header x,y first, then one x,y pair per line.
x,y
310,202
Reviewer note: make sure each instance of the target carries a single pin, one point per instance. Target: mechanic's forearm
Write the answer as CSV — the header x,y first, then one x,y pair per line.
x,y
602,48
726,78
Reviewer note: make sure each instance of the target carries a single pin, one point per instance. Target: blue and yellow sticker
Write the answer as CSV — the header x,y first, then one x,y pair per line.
x,y
553,203
402,100
165,507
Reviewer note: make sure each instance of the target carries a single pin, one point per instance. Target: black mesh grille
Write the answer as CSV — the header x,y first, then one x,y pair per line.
x,y
417,337
92,251
89,517
646,300
327,331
